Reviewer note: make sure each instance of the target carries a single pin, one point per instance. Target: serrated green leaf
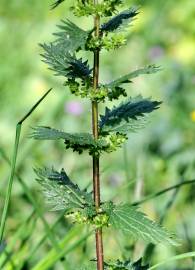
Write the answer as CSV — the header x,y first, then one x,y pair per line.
x,y
64,64
125,265
48,133
77,141
123,118
56,3
118,265
125,127
71,36
127,78
54,56
60,191
120,20
77,68
130,220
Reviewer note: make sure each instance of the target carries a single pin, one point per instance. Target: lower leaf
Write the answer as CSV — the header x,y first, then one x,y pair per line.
x,y
130,220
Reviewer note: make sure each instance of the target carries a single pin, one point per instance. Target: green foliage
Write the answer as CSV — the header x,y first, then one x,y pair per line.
x,y
60,54
84,89
60,191
119,21
77,141
123,117
107,42
77,68
89,215
127,78
115,140
158,162
113,127
87,7
120,265
63,63
113,41
131,221
72,37
111,91
126,265
81,141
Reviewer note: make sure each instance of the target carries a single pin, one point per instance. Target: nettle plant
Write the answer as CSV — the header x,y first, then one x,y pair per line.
x,y
109,131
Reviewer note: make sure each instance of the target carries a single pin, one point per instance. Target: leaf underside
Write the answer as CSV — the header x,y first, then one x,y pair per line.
x,y
127,78
123,118
119,21
131,221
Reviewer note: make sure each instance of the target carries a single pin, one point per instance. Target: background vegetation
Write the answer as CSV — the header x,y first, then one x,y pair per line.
x,y
160,156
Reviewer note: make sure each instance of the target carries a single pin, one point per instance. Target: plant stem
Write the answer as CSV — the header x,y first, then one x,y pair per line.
x,y
96,174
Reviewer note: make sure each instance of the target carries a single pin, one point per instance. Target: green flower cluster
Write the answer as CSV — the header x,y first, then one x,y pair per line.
x,y
85,90
115,140
98,218
107,42
87,7
106,143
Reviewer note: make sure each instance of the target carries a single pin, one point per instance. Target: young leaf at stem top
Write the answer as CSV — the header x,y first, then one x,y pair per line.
x,y
71,36
119,21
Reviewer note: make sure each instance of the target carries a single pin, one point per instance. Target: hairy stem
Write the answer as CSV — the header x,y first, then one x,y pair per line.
x,y
96,174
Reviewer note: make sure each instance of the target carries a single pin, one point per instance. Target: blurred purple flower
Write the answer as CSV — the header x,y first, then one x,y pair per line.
x,y
74,108
156,52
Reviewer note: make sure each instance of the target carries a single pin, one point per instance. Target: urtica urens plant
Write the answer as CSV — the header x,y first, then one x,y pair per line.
x,y
109,131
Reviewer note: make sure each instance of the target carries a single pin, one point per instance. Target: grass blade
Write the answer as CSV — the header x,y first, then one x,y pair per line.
x,y
13,165
161,192
36,206
174,258
52,257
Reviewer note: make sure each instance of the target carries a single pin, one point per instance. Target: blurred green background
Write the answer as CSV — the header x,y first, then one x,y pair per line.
x,y
161,155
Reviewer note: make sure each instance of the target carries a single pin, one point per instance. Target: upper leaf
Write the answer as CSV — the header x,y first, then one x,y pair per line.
x,y
119,20
130,220
60,191
71,36
56,3
60,61
77,68
127,112
127,78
